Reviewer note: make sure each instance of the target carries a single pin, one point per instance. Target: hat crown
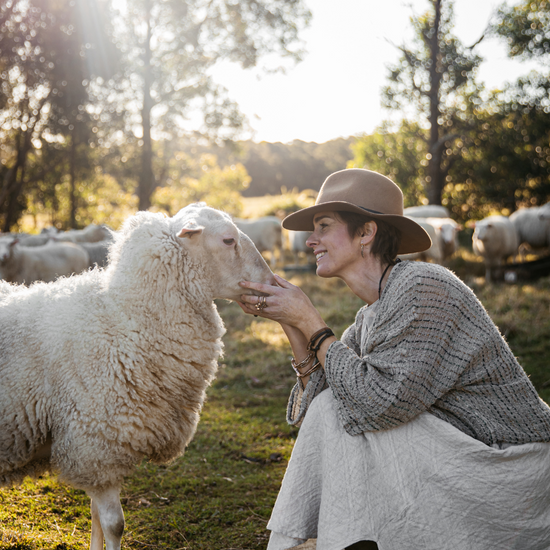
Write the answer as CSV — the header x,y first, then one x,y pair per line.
x,y
369,190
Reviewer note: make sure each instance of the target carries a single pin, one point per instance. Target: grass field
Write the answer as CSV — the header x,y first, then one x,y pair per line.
x,y
219,495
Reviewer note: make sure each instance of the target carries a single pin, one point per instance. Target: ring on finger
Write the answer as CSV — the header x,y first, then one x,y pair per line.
x,y
261,304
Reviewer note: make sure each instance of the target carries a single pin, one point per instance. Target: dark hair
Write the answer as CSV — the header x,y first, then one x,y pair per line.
x,y
386,241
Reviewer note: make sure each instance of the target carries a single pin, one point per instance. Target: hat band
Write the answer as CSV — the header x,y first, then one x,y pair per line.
x,y
371,211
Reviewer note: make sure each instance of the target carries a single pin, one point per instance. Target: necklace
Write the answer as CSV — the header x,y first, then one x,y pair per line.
x,y
381,278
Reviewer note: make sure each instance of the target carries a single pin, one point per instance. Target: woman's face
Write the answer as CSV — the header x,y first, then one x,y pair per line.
x,y
335,251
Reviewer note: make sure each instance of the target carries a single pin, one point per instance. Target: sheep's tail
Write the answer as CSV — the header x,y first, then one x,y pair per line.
x,y
33,469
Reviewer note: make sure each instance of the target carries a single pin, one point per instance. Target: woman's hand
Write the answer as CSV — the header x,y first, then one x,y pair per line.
x,y
286,303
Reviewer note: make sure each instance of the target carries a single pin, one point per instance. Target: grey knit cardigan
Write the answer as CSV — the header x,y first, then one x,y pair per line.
x,y
432,347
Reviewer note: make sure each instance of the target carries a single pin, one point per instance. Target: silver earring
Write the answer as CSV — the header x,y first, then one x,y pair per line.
x,y
362,247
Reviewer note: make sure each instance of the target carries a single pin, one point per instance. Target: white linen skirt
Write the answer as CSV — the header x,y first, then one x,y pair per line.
x,y
422,486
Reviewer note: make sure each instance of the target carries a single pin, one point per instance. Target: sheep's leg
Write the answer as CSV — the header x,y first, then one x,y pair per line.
x,y
97,532
107,519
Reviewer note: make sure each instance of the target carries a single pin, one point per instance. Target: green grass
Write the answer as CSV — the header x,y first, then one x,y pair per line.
x,y
220,493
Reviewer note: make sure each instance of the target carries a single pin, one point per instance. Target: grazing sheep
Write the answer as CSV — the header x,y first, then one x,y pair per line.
x,y
91,234
495,239
104,369
297,244
446,234
266,234
25,265
36,240
98,252
434,253
533,225
426,211
544,212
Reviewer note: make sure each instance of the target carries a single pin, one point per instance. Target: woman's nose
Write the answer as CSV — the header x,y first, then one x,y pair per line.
x,y
312,241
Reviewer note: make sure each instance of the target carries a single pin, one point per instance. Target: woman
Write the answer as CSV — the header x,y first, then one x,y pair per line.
x,y
430,434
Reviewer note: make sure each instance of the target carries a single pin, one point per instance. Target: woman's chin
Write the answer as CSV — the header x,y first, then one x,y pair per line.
x,y
323,272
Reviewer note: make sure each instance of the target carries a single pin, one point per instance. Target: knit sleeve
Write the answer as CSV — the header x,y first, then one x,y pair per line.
x,y
301,397
414,354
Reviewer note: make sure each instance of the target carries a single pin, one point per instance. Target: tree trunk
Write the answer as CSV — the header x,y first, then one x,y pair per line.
x,y
13,182
72,176
147,183
435,180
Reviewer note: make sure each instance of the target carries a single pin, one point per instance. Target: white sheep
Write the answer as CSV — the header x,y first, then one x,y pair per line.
x,y
91,234
98,253
426,211
265,232
544,212
533,225
297,245
495,239
25,265
104,369
446,234
434,253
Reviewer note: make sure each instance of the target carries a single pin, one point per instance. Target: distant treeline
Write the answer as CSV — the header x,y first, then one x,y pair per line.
x,y
296,165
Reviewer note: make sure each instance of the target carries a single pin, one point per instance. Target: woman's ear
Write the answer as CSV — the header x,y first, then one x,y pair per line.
x,y
368,232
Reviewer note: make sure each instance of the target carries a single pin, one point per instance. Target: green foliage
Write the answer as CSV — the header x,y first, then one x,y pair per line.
x,y
435,79
399,154
505,161
46,60
283,204
219,188
221,492
298,164
525,28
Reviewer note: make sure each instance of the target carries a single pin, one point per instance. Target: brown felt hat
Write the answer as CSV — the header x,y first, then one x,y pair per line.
x,y
368,193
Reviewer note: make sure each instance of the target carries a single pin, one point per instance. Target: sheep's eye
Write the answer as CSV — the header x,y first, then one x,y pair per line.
x,y
229,242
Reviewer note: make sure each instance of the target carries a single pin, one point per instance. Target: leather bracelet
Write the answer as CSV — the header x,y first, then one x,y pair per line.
x,y
324,332
322,339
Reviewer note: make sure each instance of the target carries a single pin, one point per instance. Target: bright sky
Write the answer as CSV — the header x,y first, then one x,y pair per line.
x,y
335,91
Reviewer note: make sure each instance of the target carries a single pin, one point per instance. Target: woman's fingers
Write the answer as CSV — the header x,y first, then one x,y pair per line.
x,y
260,287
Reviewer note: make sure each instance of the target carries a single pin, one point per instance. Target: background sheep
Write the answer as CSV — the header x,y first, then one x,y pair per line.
x,y
533,225
495,239
266,234
426,211
446,230
20,264
433,253
298,247
97,252
104,369
90,234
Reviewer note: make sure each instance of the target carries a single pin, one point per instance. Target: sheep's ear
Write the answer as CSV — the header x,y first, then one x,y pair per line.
x,y
190,230
14,242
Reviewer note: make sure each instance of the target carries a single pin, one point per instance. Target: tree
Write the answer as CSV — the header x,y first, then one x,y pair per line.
x,y
44,66
170,47
435,76
399,154
525,27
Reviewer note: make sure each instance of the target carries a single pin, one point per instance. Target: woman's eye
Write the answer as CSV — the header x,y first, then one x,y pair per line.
x,y
229,242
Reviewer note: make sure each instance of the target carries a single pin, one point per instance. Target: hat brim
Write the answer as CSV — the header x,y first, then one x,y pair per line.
x,y
414,237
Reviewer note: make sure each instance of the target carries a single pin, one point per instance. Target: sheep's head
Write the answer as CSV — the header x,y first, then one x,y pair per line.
x,y
226,255
6,250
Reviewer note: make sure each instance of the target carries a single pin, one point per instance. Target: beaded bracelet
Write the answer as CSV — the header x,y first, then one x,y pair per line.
x,y
303,362
313,368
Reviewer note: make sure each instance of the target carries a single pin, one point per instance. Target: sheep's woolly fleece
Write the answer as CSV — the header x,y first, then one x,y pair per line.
x,y
111,366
